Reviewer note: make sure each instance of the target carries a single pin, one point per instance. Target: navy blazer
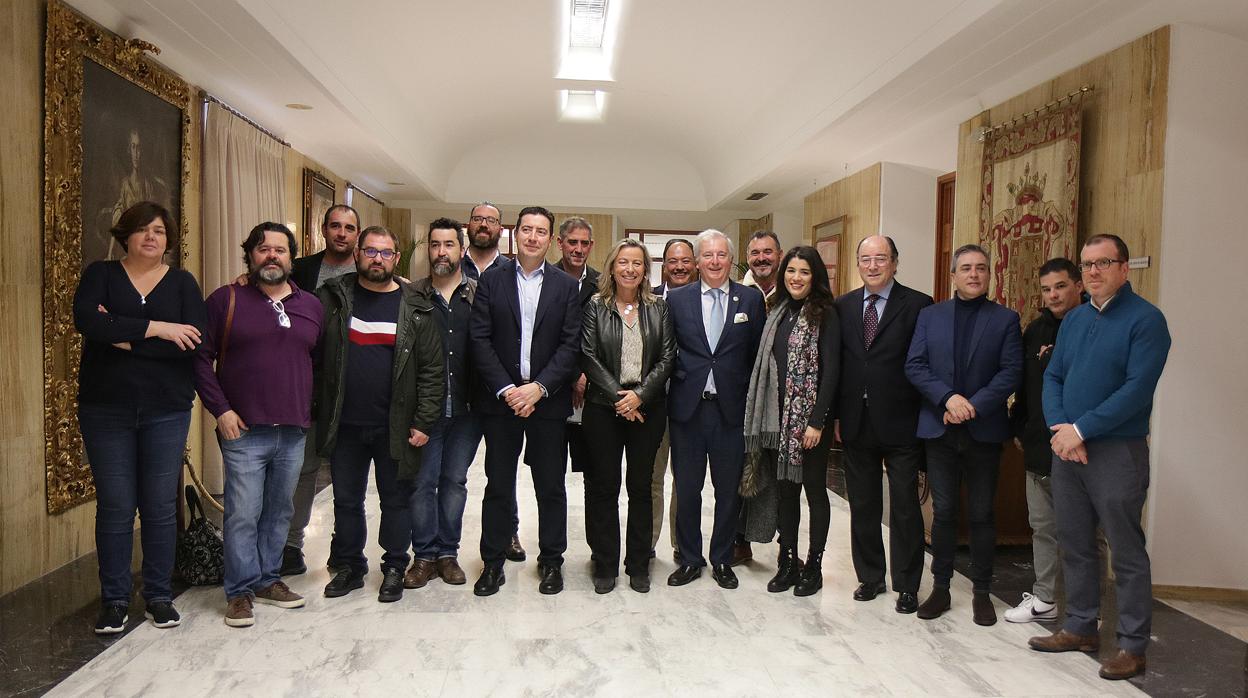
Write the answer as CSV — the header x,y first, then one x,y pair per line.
x,y
554,355
993,369
732,360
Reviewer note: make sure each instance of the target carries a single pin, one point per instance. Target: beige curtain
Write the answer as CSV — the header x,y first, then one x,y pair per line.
x,y
244,185
372,212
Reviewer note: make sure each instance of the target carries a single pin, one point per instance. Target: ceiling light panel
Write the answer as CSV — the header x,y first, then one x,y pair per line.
x,y
587,39
589,21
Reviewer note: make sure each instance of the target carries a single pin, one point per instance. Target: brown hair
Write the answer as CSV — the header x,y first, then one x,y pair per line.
x,y
138,217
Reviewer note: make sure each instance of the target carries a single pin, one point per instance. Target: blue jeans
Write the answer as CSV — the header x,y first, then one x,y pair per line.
x,y
261,471
441,487
135,456
354,447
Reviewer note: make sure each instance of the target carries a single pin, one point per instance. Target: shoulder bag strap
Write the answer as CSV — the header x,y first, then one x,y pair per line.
x,y
225,336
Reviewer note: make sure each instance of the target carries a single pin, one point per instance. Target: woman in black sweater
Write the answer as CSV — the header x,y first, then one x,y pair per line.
x,y
788,406
141,322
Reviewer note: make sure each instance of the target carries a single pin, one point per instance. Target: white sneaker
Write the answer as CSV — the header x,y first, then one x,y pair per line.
x,y
1031,609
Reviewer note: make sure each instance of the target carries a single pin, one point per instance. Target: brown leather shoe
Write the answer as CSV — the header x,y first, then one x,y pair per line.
x,y
741,553
1123,665
1065,641
981,609
450,571
935,604
419,574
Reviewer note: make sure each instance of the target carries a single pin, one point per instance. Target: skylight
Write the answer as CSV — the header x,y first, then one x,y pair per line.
x,y
589,21
581,105
587,39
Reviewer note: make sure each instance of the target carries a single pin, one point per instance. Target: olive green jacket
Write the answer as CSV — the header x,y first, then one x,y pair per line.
x,y
418,387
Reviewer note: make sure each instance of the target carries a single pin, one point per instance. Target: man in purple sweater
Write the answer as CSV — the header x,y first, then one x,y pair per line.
x,y
261,338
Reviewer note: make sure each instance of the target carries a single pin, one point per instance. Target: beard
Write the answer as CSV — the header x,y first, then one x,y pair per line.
x,y
444,267
270,275
484,242
376,274
763,271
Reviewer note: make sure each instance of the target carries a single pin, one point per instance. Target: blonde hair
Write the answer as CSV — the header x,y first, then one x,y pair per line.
x,y
606,280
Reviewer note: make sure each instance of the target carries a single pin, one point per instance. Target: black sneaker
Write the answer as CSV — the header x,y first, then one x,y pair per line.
x,y
346,581
292,562
391,586
163,614
112,619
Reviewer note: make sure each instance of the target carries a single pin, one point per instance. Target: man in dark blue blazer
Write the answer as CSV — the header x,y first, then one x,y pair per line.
x,y
718,327
525,329
965,359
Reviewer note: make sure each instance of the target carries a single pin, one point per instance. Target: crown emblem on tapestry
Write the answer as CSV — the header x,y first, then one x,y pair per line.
x,y
1030,187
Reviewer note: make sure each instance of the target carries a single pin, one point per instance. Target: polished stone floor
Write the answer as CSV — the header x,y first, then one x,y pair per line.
x,y
692,640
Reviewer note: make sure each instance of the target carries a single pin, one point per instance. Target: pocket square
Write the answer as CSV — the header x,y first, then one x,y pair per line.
x,y
740,317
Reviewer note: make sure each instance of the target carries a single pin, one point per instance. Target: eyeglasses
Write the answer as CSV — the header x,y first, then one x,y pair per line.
x,y
484,219
878,260
283,320
1101,264
374,253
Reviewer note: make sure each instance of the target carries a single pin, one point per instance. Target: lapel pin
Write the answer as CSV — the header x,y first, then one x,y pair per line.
x,y
734,299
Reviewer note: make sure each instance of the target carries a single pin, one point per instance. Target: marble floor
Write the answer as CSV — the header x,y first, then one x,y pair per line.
x,y
693,640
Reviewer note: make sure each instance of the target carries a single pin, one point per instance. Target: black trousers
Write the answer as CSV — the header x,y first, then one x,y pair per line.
x,y
354,448
952,458
613,438
546,456
707,437
815,482
864,456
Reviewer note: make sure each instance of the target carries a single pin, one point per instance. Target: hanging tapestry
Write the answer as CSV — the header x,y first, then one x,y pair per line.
x,y
1030,205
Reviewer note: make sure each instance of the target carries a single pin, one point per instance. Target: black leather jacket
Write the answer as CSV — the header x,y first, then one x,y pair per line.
x,y
601,337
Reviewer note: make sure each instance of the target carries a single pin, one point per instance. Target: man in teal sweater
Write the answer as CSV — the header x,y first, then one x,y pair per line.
x,y
1098,394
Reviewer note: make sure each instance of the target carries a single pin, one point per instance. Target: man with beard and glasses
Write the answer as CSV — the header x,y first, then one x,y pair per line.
x,y
679,269
340,228
485,229
379,394
576,240
254,374
762,256
440,491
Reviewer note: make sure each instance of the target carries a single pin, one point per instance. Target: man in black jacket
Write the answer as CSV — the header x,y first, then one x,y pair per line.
x,y
380,390
877,414
576,241
1061,289
341,229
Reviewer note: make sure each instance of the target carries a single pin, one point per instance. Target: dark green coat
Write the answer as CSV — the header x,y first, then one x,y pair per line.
x,y
418,386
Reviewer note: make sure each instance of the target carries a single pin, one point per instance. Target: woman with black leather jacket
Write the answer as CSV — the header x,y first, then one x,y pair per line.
x,y
628,349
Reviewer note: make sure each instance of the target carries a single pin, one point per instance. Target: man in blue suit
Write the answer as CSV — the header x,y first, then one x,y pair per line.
x,y
525,329
718,327
965,359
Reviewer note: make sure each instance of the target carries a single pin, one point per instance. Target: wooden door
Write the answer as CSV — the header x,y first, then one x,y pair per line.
x,y
944,235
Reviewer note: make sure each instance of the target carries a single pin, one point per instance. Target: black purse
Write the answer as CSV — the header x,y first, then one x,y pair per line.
x,y
200,554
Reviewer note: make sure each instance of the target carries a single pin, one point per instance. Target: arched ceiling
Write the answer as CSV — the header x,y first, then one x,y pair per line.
x,y
708,101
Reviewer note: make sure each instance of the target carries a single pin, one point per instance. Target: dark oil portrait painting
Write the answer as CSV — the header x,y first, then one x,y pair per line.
x,y
131,150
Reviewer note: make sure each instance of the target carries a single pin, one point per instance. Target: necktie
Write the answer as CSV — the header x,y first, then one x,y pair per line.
x,y
715,323
870,321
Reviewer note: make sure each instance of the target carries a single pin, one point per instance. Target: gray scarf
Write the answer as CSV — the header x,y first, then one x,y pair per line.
x,y
762,409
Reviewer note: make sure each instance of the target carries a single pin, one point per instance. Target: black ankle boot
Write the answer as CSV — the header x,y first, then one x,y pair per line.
x,y
788,569
811,579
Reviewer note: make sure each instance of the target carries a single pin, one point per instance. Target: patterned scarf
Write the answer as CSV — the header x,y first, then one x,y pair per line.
x,y
765,427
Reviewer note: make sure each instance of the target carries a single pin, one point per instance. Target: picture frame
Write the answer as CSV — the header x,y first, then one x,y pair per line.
x,y
318,197
829,237
117,131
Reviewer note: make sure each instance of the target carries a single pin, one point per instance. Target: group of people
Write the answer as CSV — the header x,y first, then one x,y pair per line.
x,y
334,355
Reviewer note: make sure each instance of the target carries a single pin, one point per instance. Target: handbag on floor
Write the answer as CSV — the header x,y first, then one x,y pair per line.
x,y
200,555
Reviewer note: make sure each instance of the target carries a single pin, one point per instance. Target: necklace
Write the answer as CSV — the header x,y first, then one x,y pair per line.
x,y
628,308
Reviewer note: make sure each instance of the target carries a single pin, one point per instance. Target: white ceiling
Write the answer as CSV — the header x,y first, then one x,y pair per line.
x,y
711,99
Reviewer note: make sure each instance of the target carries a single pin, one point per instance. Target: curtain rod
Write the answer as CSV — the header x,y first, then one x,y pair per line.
x,y
357,188
209,98
1083,91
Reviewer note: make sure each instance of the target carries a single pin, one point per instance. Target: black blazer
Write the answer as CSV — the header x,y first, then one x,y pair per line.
x,y
588,287
732,360
495,331
305,270
602,333
880,372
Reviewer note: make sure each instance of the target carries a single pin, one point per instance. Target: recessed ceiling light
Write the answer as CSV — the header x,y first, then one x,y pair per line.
x,y
299,107
581,105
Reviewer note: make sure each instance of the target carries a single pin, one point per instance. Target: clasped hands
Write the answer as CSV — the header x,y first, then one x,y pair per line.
x,y
522,399
629,406
1067,444
958,410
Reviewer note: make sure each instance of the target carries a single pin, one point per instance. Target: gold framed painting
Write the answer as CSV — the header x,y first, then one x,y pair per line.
x,y
116,132
828,240
318,196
